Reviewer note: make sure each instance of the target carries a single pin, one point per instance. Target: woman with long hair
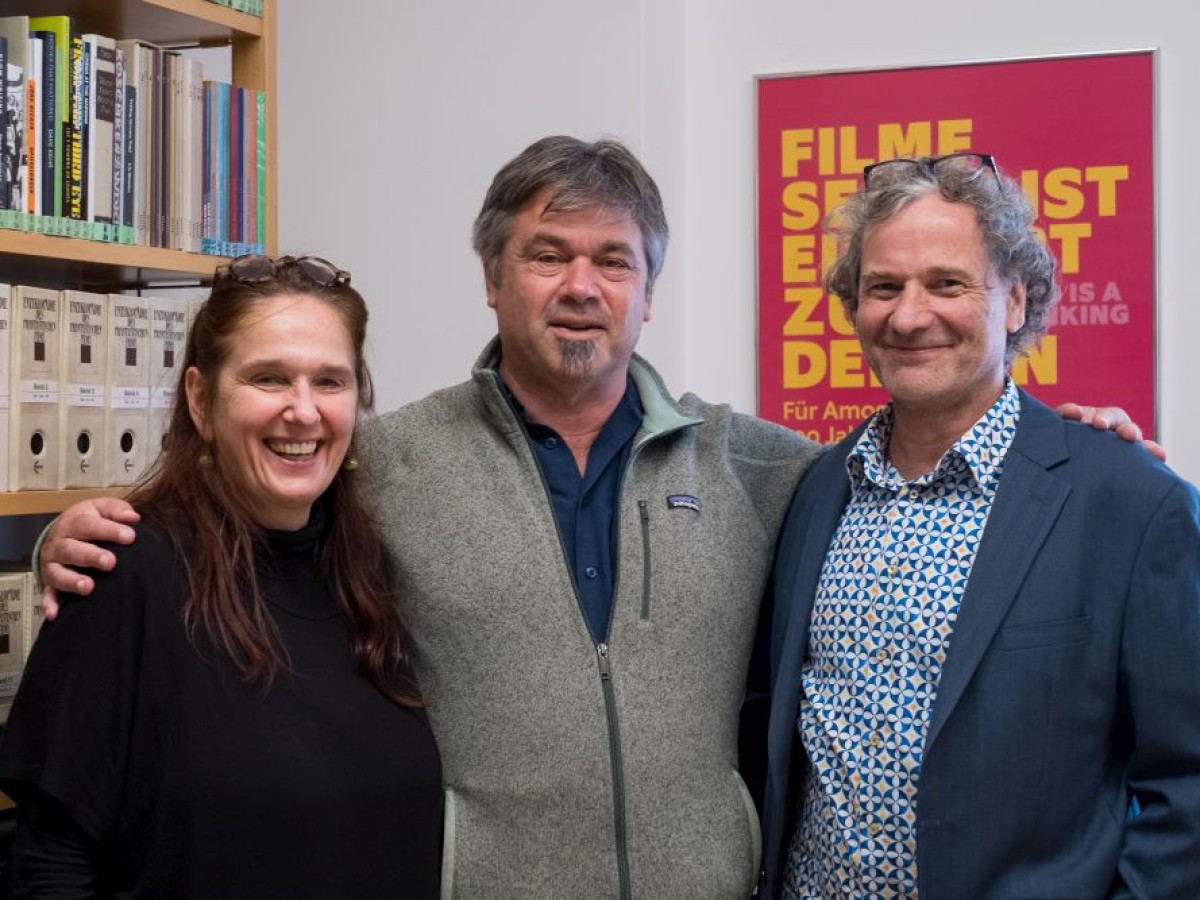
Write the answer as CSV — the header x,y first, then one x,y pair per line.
x,y
232,711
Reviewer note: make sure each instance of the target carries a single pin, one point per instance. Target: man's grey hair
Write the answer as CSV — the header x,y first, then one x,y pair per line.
x,y
1005,217
579,175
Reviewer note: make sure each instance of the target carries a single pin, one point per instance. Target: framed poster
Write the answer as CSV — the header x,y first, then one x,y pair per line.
x,y
1077,132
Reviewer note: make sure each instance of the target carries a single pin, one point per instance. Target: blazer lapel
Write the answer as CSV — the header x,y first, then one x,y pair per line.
x,y
822,507
1027,504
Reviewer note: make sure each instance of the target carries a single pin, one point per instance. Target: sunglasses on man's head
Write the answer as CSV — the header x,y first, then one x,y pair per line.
x,y
968,166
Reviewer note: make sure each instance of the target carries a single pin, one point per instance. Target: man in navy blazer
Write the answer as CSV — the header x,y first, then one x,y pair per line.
x,y
984,634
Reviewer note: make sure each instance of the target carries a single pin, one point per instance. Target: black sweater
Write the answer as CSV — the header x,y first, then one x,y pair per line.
x,y
145,767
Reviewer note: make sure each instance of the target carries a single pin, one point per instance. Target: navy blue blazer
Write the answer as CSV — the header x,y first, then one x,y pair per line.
x,y
1071,683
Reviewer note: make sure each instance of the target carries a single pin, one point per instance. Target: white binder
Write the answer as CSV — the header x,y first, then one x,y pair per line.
x,y
84,361
33,449
127,414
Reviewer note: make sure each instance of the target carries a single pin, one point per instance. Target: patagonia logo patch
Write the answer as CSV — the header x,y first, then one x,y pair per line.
x,y
683,501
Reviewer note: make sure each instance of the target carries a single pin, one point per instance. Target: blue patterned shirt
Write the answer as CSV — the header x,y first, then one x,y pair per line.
x,y
883,616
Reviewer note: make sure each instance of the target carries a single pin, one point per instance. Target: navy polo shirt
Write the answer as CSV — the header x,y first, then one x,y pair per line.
x,y
586,505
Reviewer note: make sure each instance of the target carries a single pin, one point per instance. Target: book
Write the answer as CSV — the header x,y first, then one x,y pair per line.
x,y
100,126
260,236
83,356
48,126
118,166
194,91
139,75
85,101
218,168
167,140
176,119
13,649
249,199
236,146
34,615
73,201
170,319
5,376
3,120
33,450
61,27
158,149
15,31
33,127
128,377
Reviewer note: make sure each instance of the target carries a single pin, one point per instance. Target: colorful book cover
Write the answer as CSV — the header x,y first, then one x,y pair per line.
x,y
85,68
73,207
33,133
61,26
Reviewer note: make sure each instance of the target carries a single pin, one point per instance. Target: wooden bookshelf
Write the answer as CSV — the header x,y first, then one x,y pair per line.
x,y
27,503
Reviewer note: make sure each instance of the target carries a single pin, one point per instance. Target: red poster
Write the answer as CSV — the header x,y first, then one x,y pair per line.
x,y
1077,132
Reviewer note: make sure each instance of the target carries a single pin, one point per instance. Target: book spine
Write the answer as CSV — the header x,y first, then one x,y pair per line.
x,y
102,114
143,190
207,163
5,140
197,155
32,139
118,144
261,164
17,165
86,125
250,167
74,175
49,127
129,156
236,96
221,175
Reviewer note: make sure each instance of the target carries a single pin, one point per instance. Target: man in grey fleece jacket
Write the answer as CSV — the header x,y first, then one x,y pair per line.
x,y
581,556
589,737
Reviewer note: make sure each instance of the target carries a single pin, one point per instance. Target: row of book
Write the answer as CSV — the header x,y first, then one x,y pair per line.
x,y
87,382
123,140
21,619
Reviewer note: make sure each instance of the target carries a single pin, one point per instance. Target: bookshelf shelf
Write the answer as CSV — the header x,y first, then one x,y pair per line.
x,y
39,257
168,22
28,503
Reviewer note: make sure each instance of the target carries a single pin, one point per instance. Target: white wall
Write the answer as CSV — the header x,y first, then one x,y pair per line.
x,y
393,118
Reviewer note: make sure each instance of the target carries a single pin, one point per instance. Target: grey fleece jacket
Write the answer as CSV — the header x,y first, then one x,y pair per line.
x,y
575,769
